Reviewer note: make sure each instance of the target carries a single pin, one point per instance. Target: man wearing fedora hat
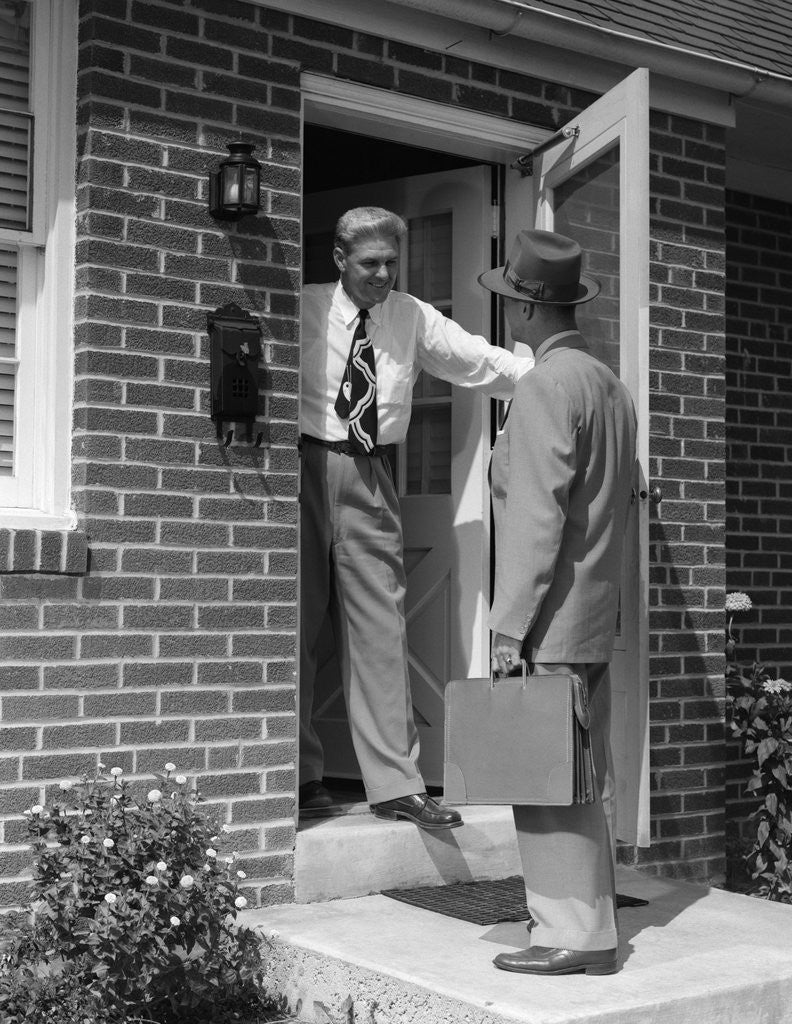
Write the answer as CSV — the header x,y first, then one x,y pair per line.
x,y
561,478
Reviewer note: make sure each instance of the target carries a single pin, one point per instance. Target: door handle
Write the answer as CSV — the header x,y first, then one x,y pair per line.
x,y
656,495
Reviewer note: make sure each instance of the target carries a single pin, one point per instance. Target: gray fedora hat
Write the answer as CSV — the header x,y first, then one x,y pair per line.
x,y
542,267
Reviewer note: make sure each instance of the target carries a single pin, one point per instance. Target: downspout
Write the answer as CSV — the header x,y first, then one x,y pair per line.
x,y
516,18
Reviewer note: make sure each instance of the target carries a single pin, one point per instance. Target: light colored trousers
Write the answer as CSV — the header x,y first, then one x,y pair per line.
x,y
351,563
568,853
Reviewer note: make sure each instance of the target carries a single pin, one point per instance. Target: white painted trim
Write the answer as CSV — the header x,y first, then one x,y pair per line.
x,y
39,496
462,39
386,114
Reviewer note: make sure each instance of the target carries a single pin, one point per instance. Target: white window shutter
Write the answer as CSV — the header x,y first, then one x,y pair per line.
x,y
16,133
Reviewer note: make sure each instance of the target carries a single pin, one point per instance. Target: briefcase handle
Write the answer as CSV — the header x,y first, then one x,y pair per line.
x,y
582,711
524,665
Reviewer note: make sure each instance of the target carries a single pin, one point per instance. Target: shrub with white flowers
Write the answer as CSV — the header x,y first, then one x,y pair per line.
x,y
761,719
132,913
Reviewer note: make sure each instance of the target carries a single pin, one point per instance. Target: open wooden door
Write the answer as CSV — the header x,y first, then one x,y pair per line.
x,y
594,187
441,470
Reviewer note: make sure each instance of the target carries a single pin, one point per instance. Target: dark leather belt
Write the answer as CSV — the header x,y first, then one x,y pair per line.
x,y
344,447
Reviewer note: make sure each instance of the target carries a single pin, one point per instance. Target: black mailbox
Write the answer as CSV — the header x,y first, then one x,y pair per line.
x,y
234,352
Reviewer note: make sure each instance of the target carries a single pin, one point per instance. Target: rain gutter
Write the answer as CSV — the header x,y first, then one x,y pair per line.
x,y
520,19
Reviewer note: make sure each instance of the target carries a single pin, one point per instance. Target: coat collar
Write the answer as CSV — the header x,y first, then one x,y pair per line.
x,y
566,339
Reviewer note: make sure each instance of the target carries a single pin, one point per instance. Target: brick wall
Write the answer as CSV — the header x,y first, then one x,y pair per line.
x,y
686,530
179,642
759,442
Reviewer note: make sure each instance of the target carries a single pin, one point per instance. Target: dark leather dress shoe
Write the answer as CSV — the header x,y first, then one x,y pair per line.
x,y
421,810
547,960
313,796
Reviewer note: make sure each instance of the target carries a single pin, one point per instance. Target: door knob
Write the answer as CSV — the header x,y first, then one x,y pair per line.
x,y
656,494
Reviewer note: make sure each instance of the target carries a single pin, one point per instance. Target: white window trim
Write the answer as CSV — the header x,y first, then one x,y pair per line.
x,y
38,497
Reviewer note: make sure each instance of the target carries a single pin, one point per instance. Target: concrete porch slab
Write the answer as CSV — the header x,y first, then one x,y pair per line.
x,y
357,854
694,955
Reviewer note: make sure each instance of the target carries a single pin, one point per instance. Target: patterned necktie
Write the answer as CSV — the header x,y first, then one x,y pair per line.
x,y
357,396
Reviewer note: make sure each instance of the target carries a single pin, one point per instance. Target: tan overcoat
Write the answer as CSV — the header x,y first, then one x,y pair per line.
x,y
562,472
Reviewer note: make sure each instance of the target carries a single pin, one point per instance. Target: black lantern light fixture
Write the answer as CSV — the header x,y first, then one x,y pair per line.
x,y
234,187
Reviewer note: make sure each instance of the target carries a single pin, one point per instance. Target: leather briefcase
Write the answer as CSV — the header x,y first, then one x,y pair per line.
x,y
518,741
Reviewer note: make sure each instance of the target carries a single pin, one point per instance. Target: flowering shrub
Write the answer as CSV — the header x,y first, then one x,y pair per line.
x,y
132,912
761,717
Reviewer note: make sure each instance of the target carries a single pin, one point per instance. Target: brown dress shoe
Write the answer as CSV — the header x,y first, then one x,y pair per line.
x,y
313,796
421,810
547,960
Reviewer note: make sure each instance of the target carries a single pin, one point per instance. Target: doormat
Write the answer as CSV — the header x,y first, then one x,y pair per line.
x,y
488,902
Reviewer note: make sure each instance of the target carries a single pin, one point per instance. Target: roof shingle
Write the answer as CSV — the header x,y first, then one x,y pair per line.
x,y
755,33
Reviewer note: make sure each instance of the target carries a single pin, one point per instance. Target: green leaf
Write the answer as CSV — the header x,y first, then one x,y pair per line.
x,y
762,832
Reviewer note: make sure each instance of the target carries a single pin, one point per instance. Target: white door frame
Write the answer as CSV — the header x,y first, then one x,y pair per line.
x,y
385,114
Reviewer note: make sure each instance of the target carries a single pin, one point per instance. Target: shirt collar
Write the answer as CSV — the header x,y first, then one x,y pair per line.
x,y
349,311
553,342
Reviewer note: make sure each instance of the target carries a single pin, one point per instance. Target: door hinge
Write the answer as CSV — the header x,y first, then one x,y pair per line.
x,y
495,219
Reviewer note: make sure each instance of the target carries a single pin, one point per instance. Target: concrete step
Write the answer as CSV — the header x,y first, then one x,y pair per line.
x,y
692,956
356,854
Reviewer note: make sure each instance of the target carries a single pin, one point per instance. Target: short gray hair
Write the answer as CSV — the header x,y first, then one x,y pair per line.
x,y
367,222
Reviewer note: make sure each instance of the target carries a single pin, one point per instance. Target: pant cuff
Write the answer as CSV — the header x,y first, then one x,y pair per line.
x,y
394,790
541,935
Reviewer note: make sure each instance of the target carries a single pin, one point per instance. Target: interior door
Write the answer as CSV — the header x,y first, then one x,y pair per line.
x,y
594,187
441,469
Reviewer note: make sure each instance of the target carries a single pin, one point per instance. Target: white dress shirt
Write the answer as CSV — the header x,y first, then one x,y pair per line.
x,y
408,336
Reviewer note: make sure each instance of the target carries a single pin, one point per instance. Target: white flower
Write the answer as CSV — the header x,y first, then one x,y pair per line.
x,y
229,860
180,780
240,902
110,898
154,796
161,865
776,686
151,880
65,785
102,766
108,843
186,881
116,771
85,840
211,852
175,921
214,839
241,874
36,809
170,767
738,602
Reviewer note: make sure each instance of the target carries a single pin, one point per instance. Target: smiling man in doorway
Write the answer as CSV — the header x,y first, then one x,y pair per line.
x,y
363,345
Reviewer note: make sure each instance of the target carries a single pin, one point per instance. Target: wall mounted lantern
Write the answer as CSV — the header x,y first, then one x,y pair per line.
x,y
234,187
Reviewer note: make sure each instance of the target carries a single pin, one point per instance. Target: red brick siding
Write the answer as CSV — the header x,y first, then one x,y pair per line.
x,y
759,443
179,643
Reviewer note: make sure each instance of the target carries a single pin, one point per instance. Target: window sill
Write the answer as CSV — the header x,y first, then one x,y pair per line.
x,y
55,552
